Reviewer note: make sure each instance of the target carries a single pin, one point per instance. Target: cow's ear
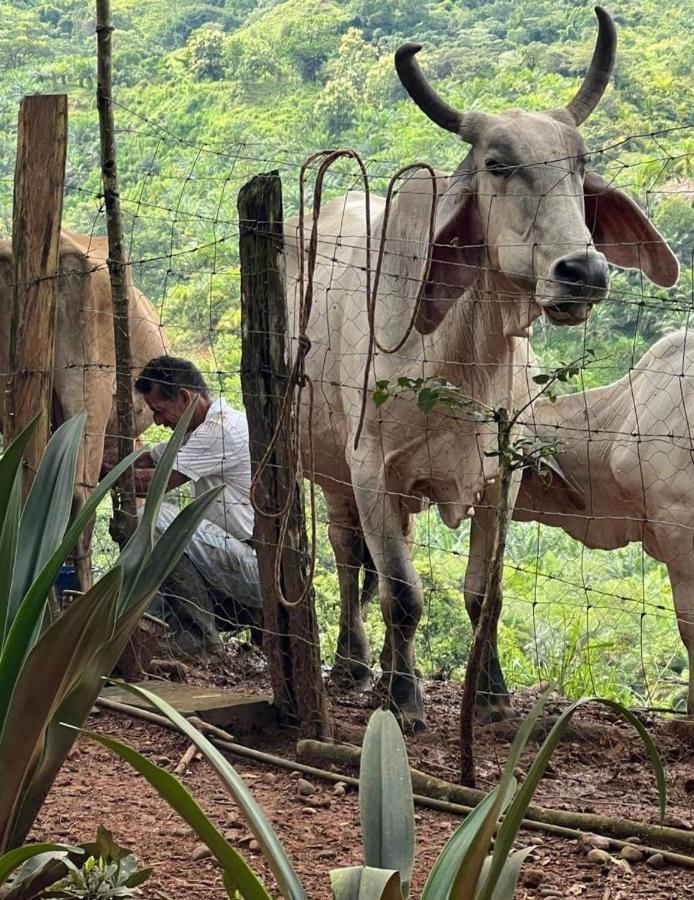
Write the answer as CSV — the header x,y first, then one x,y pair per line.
x,y
624,234
416,269
457,251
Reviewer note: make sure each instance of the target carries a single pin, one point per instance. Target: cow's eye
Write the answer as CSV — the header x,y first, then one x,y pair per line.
x,y
494,167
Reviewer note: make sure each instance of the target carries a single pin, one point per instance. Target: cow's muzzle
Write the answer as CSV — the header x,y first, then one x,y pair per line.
x,y
577,281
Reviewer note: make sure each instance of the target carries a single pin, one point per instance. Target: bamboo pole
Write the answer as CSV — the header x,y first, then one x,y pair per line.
x,y
124,505
313,749
36,219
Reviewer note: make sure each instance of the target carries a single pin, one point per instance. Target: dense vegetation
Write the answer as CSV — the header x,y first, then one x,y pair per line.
x,y
209,94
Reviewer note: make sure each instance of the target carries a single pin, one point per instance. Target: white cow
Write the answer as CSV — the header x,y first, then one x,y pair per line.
x,y
627,451
521,229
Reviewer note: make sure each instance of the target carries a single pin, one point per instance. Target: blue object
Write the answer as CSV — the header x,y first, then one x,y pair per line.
x,y
66,580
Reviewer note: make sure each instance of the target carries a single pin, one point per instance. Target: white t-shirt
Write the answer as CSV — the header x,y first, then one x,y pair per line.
x,y
215,453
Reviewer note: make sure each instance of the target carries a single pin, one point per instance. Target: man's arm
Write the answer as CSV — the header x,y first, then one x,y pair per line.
x,y
143,479
144,473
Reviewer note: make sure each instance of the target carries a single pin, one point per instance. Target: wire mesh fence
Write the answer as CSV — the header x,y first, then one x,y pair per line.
x,y
588,620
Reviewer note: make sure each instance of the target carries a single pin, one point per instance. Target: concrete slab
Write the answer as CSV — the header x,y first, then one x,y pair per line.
x,y
237,713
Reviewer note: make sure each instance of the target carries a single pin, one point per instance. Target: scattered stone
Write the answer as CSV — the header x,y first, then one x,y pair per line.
x,y
326,854
631,854
531,877
161,760
308,811
599,857
340,789
268,778
417,817
657,861
295,775
202,851
550,894
594,840
634,840
253,845
304,788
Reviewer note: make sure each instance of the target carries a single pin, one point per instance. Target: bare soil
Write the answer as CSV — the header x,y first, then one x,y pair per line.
x,y
601,768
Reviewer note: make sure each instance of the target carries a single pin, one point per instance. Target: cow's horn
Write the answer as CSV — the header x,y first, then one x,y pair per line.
x,y
425,96
601,66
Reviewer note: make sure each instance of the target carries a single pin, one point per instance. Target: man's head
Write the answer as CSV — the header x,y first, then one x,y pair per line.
x,y
169,385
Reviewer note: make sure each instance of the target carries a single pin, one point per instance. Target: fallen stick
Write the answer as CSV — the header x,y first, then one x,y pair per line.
x,y
186,760
456,809
430,786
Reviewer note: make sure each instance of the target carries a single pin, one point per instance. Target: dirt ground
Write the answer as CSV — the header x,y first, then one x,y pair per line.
x,y
601,768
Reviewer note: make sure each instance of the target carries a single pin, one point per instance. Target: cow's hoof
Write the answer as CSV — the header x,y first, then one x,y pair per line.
x,y
351,675
411,721
406,700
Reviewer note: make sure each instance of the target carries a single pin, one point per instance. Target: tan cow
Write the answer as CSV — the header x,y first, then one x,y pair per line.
x,y
627,451
521,229
84,375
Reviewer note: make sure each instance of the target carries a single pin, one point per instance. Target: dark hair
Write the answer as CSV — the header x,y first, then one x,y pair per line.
x,y
170,374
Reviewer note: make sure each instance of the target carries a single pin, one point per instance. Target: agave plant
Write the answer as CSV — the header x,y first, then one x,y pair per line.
x,y
477,863
50,672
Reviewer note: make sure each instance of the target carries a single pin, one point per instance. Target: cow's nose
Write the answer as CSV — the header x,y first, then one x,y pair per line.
x,y
582,273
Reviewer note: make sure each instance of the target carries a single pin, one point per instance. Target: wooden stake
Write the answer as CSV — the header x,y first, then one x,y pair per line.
x,y
290,638
124,505
38,208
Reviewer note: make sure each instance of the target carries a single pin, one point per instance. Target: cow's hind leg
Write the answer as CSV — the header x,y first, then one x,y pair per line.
x,y
352,665
491,685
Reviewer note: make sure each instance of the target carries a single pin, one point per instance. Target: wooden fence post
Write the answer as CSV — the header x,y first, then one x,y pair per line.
x,y
38,208
290,637
124,505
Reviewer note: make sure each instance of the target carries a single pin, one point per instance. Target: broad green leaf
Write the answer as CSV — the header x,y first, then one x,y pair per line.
x,y
136,552
385,798
508,879
11,463
25,628
365,883
449,862
8,549
139,877
14,858
168,549
238,873
516,812
38,873
40,533
49,671
261,829
80,699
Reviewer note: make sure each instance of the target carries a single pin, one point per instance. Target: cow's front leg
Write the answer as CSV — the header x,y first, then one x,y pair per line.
x,y
400,592
352,666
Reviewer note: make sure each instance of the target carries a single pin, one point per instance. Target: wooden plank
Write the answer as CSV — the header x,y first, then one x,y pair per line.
x,y
242,713
37,213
